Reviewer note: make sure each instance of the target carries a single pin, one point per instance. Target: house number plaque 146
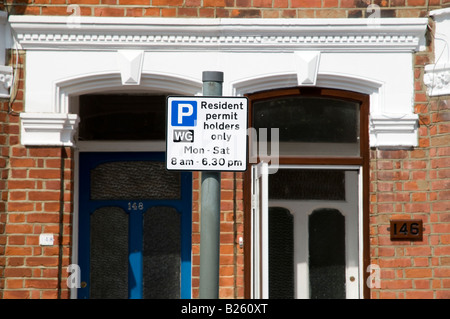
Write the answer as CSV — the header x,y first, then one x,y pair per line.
x,y
406,229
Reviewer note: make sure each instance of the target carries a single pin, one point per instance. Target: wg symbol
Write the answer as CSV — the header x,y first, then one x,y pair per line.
x,y
186,136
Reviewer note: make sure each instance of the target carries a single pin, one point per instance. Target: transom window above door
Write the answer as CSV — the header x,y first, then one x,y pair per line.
x,y
311,122
311,125
107,117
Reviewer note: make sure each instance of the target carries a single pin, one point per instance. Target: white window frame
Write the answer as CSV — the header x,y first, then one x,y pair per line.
x,y
260,231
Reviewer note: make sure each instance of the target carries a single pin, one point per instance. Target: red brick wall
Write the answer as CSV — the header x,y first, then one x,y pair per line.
x,y
231,269
3,186
40,197
36,189
8,136
415,184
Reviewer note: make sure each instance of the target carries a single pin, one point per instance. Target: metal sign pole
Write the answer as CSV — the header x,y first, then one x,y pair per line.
x,y
210,210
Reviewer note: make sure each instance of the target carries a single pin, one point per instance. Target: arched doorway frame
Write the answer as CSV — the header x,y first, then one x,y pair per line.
x,y
67,94
362,162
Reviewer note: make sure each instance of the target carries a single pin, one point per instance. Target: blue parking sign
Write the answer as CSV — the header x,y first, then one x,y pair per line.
x,y
184,113
206,133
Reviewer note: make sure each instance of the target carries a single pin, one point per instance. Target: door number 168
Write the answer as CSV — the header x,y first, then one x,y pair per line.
x,y
135,206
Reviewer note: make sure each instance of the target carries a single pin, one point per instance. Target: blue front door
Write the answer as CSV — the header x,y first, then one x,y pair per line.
x,y
134,227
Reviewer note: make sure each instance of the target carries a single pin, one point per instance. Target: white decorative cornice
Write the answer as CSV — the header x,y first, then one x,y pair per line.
x,y
326,35
300,49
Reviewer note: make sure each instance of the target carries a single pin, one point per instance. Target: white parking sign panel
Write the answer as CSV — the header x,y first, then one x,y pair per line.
x,y
206,133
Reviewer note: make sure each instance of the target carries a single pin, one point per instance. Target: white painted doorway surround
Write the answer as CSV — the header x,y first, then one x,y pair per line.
x,y
67,58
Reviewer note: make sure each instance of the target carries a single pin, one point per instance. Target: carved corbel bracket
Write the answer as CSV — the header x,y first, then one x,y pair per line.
x,y
6,79
437,79
437,75
48,128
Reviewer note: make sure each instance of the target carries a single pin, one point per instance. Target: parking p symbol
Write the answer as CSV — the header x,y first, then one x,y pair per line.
x,y
184,113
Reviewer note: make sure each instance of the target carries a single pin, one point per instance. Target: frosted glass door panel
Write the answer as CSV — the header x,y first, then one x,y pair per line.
x,y
109,253
161,253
